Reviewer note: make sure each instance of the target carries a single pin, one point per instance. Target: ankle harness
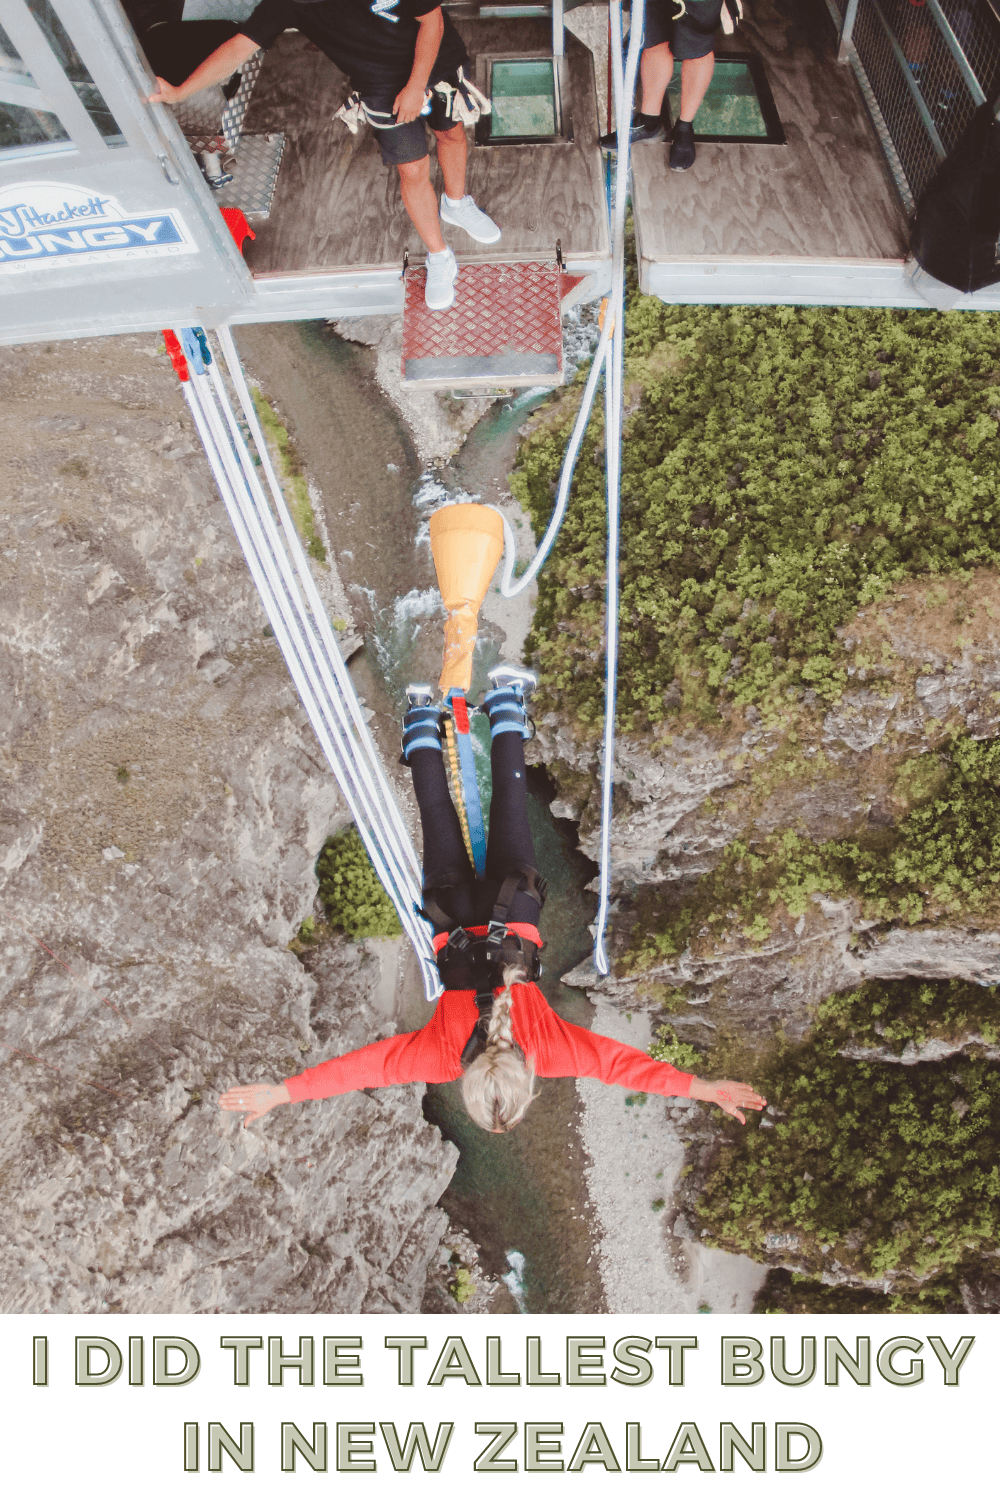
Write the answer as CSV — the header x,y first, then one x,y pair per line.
x,y
473,961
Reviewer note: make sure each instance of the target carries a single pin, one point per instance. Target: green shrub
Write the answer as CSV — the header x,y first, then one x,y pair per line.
x,y
296,490
891,1014
787,1292
352,895
892,1169
667,1048
462,1286
781,467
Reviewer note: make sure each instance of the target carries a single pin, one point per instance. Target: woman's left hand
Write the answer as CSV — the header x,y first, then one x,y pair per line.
x,y
256,1098
731,1097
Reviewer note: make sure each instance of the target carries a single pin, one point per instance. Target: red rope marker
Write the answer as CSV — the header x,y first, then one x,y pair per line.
x,y
176,354
237,225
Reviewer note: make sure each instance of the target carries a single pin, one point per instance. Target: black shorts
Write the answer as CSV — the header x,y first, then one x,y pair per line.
x,y
691,35
405,143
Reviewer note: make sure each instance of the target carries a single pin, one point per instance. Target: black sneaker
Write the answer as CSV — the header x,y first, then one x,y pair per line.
x,y
637,134
682,147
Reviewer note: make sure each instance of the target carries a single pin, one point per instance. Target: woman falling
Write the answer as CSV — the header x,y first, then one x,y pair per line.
x,y
492,1027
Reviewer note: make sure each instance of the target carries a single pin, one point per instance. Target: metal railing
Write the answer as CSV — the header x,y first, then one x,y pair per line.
x,y
924,70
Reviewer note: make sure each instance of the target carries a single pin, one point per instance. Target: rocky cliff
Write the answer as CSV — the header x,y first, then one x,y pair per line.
x,y
163,804
824,773
806,831
760,998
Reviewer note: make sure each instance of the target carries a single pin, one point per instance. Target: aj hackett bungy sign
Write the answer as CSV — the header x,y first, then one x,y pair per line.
x,y
59,224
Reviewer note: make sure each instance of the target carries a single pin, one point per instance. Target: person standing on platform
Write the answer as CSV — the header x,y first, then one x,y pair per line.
x,y
396,54
685,30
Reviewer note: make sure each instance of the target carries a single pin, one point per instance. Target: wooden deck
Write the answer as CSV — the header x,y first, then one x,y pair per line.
x,y
336,207
821,210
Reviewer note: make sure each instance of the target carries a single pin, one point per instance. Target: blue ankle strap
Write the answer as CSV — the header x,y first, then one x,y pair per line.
x,y
421,730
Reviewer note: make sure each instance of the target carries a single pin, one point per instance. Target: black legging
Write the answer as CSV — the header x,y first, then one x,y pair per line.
x,y
448,872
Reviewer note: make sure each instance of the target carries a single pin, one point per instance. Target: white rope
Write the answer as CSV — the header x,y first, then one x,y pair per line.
x,y
608,358
298,618
613,458
383,789
283,579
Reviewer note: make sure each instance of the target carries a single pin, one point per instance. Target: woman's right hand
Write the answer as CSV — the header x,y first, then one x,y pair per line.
x,y
255,1098
728,1095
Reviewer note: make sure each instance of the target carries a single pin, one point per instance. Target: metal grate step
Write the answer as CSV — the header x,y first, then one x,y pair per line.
x,y
255,175
504,329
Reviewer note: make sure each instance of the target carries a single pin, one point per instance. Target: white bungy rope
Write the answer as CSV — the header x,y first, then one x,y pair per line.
x,y
608,357
281,572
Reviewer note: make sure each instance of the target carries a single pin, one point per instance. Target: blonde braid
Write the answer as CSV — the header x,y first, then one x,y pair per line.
x,y
501,1029
500,1084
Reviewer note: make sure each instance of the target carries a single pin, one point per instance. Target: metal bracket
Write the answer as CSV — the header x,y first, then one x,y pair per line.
x,y
559,256
406,265
168,169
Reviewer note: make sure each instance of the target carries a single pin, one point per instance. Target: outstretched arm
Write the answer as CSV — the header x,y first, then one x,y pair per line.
x,y
255,1098
728,1095
417,1056
562,1050
217,67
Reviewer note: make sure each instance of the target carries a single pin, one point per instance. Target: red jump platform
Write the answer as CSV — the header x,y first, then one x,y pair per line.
x,y
503,329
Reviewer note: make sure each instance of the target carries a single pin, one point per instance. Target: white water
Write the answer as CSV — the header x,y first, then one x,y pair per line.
x,y
429,496
513,1279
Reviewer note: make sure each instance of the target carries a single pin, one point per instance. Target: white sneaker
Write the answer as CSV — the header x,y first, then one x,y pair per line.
x,y
465,215
442,272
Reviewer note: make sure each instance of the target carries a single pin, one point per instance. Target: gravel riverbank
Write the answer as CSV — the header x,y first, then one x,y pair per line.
x,y
636,1155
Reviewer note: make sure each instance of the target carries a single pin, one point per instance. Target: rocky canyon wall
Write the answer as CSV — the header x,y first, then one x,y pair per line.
x,y
163,802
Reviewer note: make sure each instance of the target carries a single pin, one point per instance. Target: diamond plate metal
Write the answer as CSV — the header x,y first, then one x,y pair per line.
x,y
209,114
503,328
255,175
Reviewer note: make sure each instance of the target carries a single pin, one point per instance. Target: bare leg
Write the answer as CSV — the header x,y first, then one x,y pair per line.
x,y
656,68
452,151
420,202
696,75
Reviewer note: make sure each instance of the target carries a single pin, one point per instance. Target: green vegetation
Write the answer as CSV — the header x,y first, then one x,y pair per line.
x,y
912,1010
788,1292
782,467
296,489
122,776
666,1048
352,895
462,1285
941,860
888,1170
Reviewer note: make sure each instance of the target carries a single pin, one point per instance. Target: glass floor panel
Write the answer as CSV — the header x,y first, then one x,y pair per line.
x,y
523,96
738,105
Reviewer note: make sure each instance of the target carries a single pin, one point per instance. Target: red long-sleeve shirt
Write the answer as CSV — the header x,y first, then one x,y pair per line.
x,y
433,1055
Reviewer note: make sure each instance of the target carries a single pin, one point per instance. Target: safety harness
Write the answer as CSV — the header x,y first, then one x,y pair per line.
x,y
463,105
477,961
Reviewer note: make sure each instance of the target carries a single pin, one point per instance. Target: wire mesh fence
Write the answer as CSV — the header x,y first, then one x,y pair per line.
x,y
926,65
